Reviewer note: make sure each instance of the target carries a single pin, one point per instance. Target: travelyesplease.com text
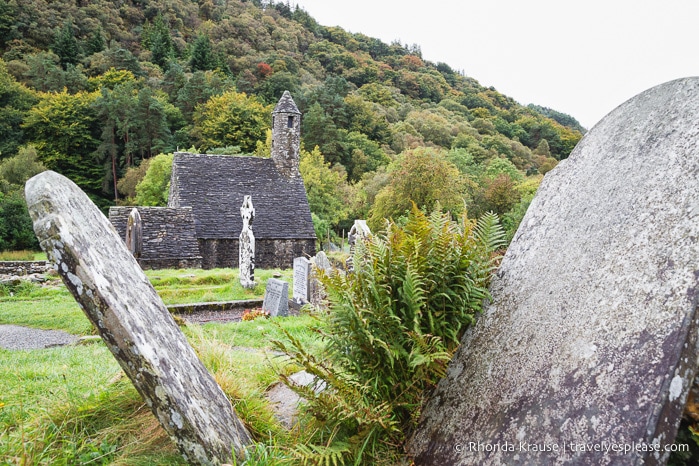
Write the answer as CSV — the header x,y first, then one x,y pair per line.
x,y
568,447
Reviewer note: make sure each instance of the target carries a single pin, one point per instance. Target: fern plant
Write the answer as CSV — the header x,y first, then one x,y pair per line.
x,y
393,326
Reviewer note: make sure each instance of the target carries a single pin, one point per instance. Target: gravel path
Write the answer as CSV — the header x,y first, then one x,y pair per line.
x,y
15,337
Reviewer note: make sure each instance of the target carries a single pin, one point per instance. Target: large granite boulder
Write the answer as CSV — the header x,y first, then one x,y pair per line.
x,y
116,296
589,348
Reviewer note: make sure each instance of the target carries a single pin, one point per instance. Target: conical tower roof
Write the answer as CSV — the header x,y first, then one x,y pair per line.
x,y
286,105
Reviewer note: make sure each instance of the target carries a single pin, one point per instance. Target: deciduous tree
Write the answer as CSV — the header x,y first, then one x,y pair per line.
x,y
231,119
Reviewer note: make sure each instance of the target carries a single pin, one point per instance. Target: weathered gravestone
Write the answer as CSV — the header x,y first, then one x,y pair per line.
x,y
134,233
359,231
316,292
276,300
246,245
302,269
321,261
116,296
591,338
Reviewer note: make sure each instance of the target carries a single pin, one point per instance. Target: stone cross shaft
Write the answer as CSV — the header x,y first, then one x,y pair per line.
x,y
246,248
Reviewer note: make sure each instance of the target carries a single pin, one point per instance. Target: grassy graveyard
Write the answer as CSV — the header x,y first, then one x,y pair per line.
x,y
73,405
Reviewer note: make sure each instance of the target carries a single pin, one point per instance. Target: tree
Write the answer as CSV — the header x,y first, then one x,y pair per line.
x,y
95,43
15,101
151,132
202,57
324,187
231,119
15,171
115,110
16,228
424,176
65,130
157,39
360,154
543,148
16,231
320,130
66,46
200,87
154,188
131,179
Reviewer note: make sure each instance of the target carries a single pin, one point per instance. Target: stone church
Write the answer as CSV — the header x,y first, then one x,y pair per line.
x,y
206,192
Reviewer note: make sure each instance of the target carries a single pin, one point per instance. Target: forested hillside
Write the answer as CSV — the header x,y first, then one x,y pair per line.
x,y
95,90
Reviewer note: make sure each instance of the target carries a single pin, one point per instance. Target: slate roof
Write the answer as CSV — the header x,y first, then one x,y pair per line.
x,y
286,104
214,186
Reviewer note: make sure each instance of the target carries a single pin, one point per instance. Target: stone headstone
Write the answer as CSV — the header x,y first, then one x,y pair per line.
x,y
276,300
246,245
302,269
134,233
359,230
321,261
116,296
316,292
591,338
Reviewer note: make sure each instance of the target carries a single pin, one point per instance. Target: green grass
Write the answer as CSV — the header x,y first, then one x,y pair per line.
x,y
54,308
22,256
17,255
72,405
190,286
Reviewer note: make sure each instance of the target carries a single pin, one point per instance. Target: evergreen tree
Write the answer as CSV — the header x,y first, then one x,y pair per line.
x,y
95,43
66,46
160,43
7,22
202,57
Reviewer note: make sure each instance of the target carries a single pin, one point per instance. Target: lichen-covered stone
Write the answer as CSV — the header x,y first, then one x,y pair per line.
x,y
116,296
591,337
246,251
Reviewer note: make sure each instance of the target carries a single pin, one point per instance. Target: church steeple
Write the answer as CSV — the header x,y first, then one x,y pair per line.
x,y
286,136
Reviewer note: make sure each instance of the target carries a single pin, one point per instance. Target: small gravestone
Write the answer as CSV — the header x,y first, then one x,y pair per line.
x,y
321,261
316,292
246,248
276,300
302,269
117,297
589,347
134,233
359,231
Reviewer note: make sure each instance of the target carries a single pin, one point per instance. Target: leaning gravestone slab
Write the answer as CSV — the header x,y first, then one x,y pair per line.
x,y
276,300
302,269
134,233
116,296
591,338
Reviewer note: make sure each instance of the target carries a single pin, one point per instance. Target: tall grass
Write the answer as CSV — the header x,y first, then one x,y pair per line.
x,y
18,256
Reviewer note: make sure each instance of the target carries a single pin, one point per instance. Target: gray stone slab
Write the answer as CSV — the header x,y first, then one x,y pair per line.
x,y
592,334
117,297
302,270
276,300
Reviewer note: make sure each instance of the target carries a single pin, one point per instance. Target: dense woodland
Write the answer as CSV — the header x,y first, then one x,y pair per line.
x,y
97,90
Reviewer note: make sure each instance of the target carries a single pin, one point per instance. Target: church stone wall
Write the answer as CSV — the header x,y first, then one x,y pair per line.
x,y
269,253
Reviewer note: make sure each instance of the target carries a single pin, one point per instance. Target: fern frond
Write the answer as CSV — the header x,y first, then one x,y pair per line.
x,y
489,234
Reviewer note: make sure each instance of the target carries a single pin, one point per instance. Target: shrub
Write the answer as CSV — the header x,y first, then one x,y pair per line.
x,y
392,328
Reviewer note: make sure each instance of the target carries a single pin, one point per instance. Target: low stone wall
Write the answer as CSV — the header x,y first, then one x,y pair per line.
x,y
23,267
240,305
169,238
269,253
